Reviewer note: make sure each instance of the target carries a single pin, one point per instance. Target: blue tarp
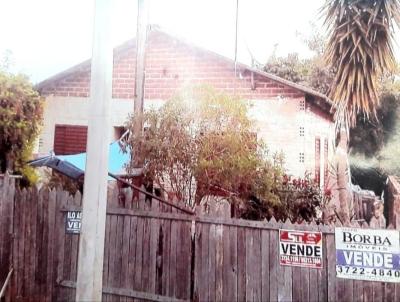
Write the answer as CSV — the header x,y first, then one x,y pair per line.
x,y
116,159
74,165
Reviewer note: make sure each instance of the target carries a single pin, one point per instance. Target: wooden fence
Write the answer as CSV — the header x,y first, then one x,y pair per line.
x,y
152,252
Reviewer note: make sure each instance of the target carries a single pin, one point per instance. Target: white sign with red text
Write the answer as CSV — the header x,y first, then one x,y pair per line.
x,y
300,248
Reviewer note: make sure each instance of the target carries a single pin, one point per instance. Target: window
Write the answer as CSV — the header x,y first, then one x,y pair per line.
x,y
317,160
301,131
69,139
326,169
302,105
301,157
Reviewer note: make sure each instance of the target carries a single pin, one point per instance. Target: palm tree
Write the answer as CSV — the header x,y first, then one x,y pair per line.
x,y
360,50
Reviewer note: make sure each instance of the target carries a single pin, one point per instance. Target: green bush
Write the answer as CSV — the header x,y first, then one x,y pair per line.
x,y
21,111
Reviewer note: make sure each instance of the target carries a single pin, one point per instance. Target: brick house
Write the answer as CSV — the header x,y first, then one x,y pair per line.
x,y
288,117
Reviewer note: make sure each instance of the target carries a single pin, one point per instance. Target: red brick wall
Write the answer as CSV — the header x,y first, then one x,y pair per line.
x,y
170,65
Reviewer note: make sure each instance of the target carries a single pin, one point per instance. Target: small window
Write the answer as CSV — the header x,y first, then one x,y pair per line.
x,y
301,157
301,131
302,105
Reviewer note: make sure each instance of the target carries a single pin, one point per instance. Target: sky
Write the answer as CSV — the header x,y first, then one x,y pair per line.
x,y
45,37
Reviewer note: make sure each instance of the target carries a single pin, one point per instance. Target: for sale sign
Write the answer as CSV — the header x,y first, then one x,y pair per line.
x,y
300,248
73,222
366,254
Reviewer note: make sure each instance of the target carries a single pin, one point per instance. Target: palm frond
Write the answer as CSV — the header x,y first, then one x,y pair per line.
x,y
360,50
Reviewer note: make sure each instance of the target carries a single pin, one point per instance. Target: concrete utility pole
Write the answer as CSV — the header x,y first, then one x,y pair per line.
x,y
141,36
91,244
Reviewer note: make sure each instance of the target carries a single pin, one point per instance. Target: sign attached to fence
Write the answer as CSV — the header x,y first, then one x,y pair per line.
x,y
366,254
300,248
73,223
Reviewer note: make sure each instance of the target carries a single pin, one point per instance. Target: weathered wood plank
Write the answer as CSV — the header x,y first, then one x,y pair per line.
x,y
357,291
172,291
198,240
125,254
313,284
43,240
250,275
256,271
40,269
368,291
137,285
297,285
118,255
166,257
378,291
219,262
273,265
187,256
322,273
159,255
389,292
331,268
226,275
397,292
21,244
305,284
17,234
32,252
49,240
8,255
233,263
132,255
3,227
241,262
154,236
146,255
181,263
106,257
26,258
347,294
205,269
75,245
285,274
265,276
112,256
209,272
68,256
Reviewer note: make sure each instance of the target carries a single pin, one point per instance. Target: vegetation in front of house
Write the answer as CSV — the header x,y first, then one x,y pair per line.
x,y
21,110
202,143
299,199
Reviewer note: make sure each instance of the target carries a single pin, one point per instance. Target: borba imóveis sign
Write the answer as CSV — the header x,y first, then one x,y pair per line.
x,y
366,254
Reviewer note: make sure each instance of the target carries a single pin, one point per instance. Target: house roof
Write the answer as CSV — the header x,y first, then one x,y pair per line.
x,y
319,98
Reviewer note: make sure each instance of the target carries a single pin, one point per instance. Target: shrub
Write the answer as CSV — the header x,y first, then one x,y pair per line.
x,y
20,121
300,199
200,143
